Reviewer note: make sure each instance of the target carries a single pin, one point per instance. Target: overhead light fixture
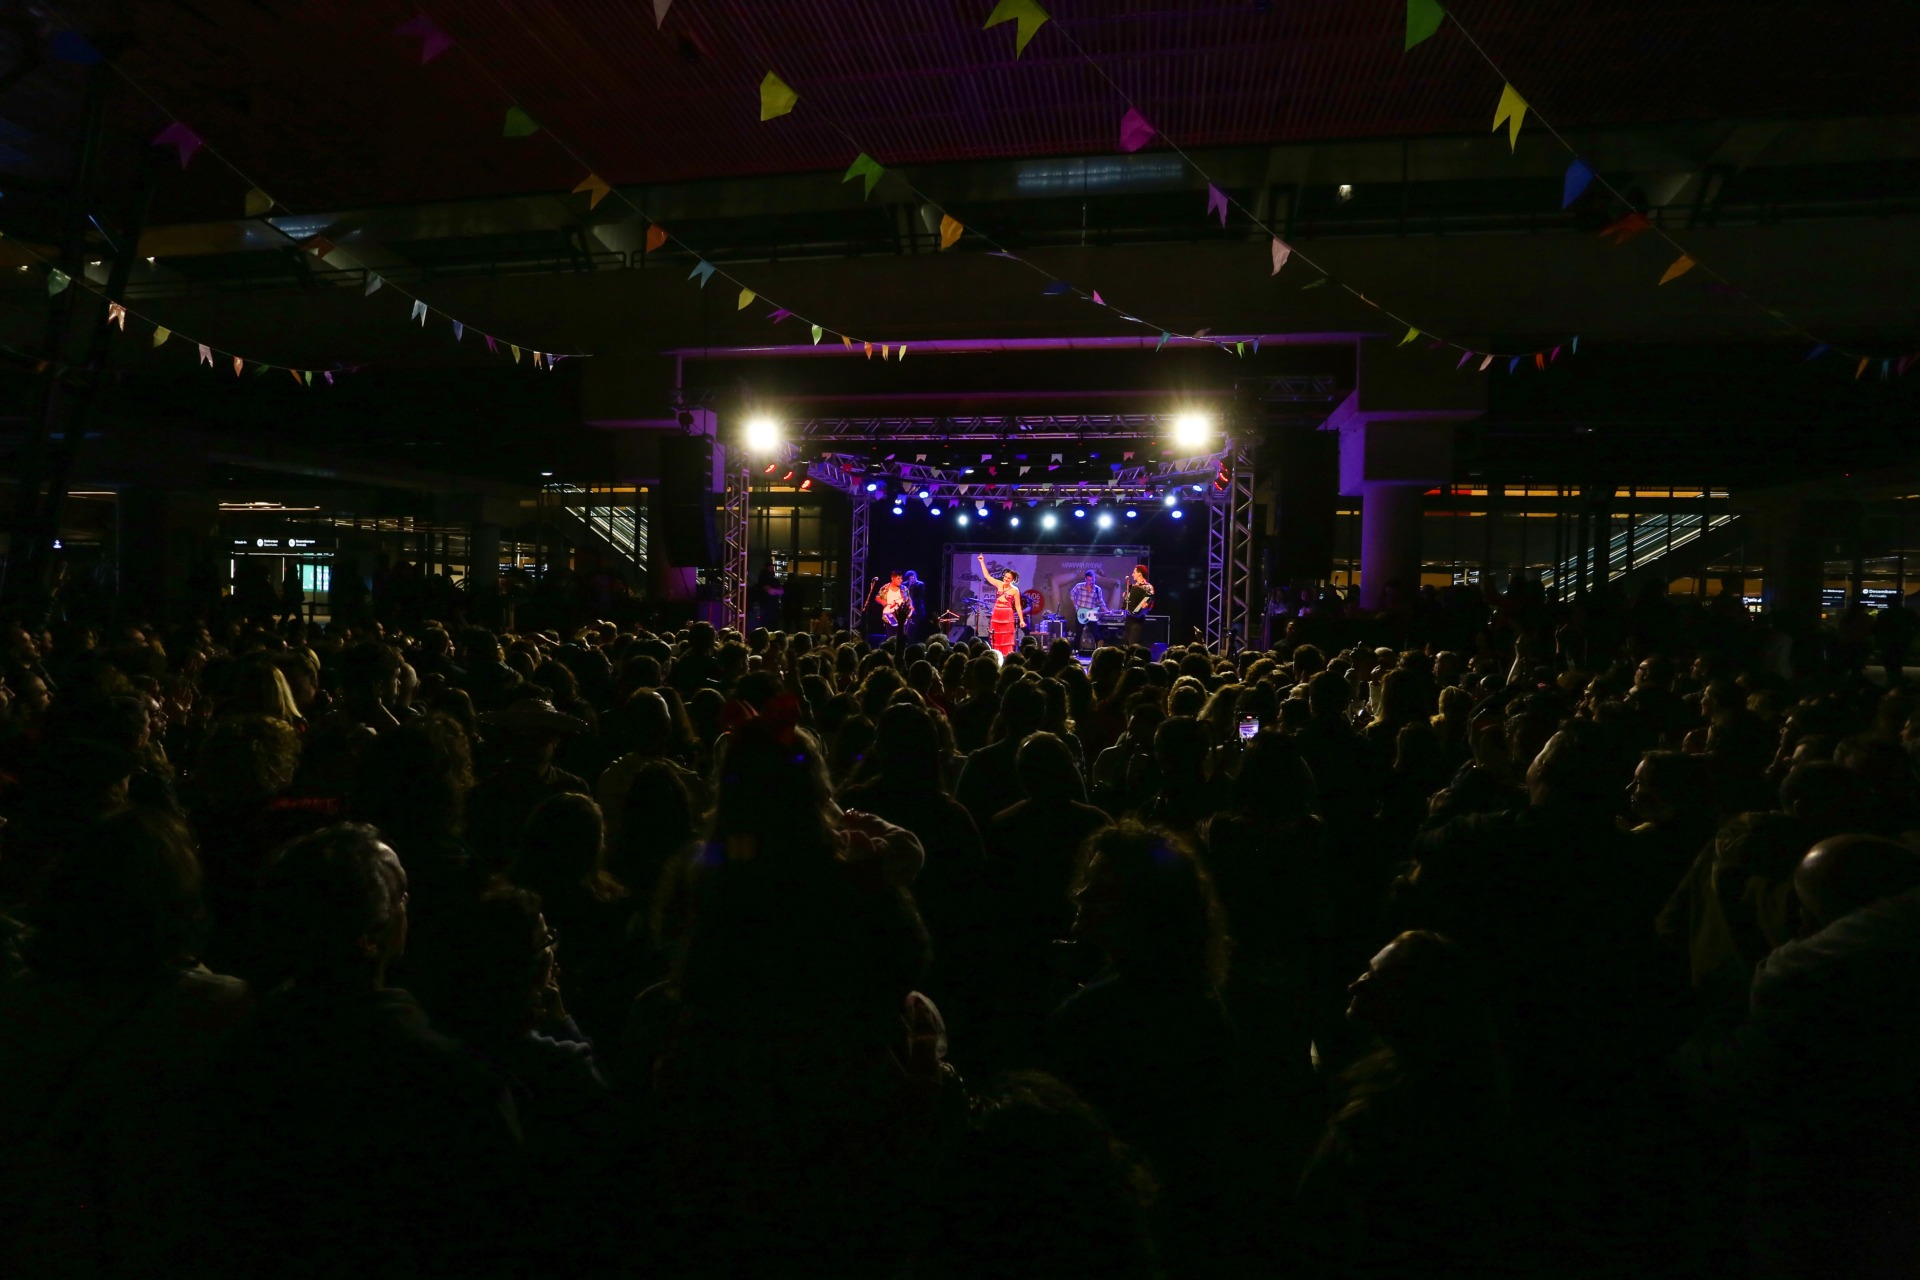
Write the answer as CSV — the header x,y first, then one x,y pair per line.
x,y
1105,521
1049,520
150,261
960,519
896,511
933,511
872,486
1345,191
762,435
1171,500
1014,521
1079,513
1131,513
1192,430
1199,488
1177,513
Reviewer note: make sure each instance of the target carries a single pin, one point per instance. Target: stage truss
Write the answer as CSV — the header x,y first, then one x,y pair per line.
x,y
1224,473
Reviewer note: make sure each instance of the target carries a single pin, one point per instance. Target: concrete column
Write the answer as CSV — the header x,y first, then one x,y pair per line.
x,y
1390,517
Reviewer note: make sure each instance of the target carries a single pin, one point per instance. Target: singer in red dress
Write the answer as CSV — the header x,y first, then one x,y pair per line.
x,y
1008,608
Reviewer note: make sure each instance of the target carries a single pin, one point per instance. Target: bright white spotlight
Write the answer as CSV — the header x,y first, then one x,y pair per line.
x,y
896,511
763,435
1105,521
1171,500
1192,431
961,519
1014,521
1199,488
1049,520
1132,514
1080,513
933,511
871,486
1177,513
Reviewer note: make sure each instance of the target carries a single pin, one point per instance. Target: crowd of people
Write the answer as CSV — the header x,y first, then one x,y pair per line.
x,y
607,951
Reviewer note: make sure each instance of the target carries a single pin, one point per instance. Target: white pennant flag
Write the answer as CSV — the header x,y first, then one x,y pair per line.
x,y
1281,252
419,312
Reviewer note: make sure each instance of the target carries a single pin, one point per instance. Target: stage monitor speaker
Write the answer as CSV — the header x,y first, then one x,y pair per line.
x,y
1306,468
960,634
685,502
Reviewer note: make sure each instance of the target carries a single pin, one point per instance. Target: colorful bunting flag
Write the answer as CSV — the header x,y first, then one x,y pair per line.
x,y
1164,335
1098,301
1423,19
309,376
1579,178
746,298
1513,364
180,138
1135,132
206,355
57,280
518,124
516,352
459,331
1057,288
1411,335
1576,344
433,41
1217,202
1626,228
901,354
1860,368
1281,252
373,284
704,270
778,314
257,203
1256,344
1539,359
846,342
1681,265
1314,284
296,375
1464,357
117,315
318,246
491,344
660,8
1485,363
328,375
1240,349
869,347
595,187
950,229
656,236
817,331
161,334
419,312
1025,13
1554,356
886,350
1511,111
866,168
237,363
776,97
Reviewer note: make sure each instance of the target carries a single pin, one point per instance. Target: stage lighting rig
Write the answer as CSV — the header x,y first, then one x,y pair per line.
x,y
1193,432
762,434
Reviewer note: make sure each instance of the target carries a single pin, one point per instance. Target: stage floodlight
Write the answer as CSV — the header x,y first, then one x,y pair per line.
x,y
1199,488
873,486
1192,431
1132,514
897,510
1171,500
762,434
1177,513
1049,520
1079,513
961,519
1014,522
1105,521
933,511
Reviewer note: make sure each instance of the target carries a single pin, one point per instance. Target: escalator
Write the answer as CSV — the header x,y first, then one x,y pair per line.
x,y
586,515
1681,548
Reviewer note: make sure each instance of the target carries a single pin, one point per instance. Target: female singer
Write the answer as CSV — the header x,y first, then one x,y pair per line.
x,y
1009,610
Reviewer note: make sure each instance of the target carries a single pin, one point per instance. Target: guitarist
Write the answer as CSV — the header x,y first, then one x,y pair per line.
x,y
896,608
1089,602
1138,599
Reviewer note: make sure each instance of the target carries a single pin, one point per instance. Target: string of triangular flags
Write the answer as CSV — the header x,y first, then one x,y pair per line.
x,y
1137,131
1424,20
256,203
207,354
777,98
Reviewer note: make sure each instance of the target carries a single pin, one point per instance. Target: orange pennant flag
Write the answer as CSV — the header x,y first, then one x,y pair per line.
x,y
846,342
869,347
950,229
1621,230
237,363
1539,359
596,187
1681,265
296,376
656,236
1860,368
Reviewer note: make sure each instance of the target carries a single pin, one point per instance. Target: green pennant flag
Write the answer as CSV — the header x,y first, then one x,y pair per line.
x,y
816,335
1026,16
1423,19
1164,335
1314,284
1411,335
864,166
518,124
57,280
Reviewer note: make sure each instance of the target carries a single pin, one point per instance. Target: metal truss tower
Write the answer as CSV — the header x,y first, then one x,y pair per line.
x,y
1230,552
733,557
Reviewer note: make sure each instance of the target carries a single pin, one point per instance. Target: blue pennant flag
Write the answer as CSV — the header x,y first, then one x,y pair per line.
x,y
704,270
1579,178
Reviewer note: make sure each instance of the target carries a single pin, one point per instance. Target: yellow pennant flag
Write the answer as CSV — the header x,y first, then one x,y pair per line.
x,y
1512,110
516,352
1411,335
846,342
746,299
776,97
903,353
1681,265
1028,15
1860,368
950,230
161,334
886,351
595,187
258,202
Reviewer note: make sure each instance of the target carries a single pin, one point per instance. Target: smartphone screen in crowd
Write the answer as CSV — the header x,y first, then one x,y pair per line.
x,y
1249,727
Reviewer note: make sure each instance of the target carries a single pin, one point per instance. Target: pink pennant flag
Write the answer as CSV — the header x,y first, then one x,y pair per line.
x,y
779,315
1464,357
1098,301
1135,132
1217,202
179,137
1555,355
206,355
1281,252
433,41
491,345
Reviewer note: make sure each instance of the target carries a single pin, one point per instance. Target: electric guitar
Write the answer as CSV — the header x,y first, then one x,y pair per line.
x,y
1088,615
